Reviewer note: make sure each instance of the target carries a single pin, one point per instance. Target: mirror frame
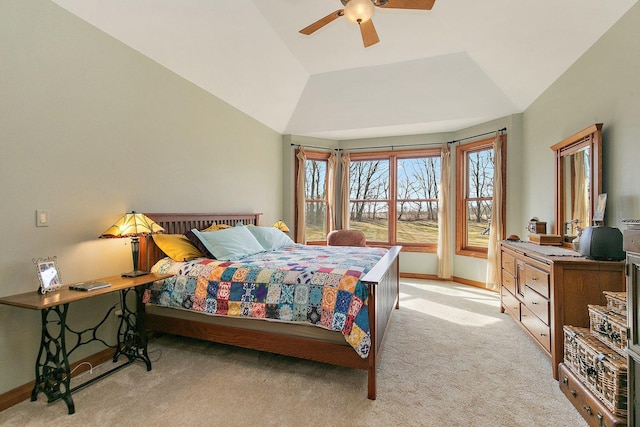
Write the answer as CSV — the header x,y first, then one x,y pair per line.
x,y
590,137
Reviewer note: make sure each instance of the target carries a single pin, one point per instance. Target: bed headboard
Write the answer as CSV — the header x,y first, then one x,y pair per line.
x,y
180,223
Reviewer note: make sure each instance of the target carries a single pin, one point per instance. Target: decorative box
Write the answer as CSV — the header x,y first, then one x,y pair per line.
x,y
545,239
609,327
537,227
601,369
616,301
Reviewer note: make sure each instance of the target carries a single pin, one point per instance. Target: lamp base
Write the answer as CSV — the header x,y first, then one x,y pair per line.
x,y
135,273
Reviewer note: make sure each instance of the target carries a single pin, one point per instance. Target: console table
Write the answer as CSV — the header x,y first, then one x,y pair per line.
x,y
53,376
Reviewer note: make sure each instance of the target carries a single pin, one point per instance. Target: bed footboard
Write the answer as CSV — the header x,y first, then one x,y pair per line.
x,y
384,295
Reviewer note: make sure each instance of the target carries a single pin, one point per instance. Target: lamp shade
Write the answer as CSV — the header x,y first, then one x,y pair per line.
x,y
280,225
133,225
130,225
358,11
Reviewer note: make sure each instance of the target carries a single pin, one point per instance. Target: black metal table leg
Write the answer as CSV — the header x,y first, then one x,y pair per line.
x,y
132,338
53,376
58,341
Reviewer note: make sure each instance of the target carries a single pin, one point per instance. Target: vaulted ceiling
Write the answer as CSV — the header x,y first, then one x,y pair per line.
x,y
462,63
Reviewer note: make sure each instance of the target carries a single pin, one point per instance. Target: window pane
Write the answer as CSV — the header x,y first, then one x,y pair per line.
x,y
480,174
419,178
369,179
315,180
478,219
417,222
475,171
316,221
372,218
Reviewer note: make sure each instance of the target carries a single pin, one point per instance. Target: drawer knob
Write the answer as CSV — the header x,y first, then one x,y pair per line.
x,y
534,302
587,409
565,380
574,393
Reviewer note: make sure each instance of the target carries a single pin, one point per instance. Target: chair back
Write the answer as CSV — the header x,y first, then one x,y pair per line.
x,y
346,238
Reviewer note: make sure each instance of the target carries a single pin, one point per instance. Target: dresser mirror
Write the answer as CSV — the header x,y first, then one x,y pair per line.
x,y
578,181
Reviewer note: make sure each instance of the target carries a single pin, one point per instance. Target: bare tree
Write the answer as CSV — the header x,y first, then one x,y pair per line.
x,y
369,181
426,176
480,169
315,182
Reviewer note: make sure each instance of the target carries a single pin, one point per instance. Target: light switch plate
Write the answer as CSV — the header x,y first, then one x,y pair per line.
x,y
42,218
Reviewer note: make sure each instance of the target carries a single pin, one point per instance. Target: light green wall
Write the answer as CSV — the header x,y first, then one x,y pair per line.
x,y
601,87
91,129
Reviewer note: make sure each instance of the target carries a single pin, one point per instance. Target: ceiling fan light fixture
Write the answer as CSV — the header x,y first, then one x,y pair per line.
x,y
358,11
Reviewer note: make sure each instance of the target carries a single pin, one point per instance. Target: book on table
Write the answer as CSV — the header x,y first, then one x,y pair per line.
x,y
89,286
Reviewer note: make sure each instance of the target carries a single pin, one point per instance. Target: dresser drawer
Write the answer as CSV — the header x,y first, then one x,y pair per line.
x,y
510,303
538,304
508,263
508,281
540,331
591,409
537,279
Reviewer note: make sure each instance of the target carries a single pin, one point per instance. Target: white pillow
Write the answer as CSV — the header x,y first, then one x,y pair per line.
x,y
230,244
271,238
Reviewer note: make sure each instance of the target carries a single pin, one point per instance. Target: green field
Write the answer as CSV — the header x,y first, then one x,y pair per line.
x,y
408,232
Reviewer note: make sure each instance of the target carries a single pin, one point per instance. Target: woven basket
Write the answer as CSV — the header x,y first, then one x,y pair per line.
x,y
616,302
602,370
608,327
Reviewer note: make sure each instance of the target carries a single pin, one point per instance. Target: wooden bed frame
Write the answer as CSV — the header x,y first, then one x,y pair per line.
x,y
382,281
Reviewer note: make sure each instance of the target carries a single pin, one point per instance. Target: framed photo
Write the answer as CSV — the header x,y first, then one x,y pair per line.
x,y
598,215
48,274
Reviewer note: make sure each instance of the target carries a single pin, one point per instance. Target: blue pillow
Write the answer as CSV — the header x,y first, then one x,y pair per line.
x,y
230,244
271,238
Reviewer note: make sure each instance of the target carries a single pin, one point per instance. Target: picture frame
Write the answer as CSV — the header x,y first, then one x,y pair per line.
x,y
598,215
48,274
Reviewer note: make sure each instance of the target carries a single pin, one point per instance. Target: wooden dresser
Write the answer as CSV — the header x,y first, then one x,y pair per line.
x,y
543,290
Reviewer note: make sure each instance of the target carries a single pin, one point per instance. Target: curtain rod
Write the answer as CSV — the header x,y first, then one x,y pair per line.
x,y
392,147
475,136
369,148
311,146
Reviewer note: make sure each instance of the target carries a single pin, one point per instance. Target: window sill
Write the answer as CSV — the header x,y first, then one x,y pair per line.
x,y
472,253
418,249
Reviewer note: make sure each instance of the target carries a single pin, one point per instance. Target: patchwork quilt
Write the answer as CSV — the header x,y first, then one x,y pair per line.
x,y
319,285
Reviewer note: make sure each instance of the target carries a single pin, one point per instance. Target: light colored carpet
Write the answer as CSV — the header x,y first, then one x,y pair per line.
x,y
451,358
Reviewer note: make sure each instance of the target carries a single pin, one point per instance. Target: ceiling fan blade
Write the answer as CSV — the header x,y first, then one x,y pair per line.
x,y
410,4
369,34
322,22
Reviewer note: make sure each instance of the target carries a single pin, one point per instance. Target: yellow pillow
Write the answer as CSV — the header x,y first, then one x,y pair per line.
x,y
177,247
216,227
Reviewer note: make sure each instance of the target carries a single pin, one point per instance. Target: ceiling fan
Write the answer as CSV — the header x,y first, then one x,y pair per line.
x,y
361,11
